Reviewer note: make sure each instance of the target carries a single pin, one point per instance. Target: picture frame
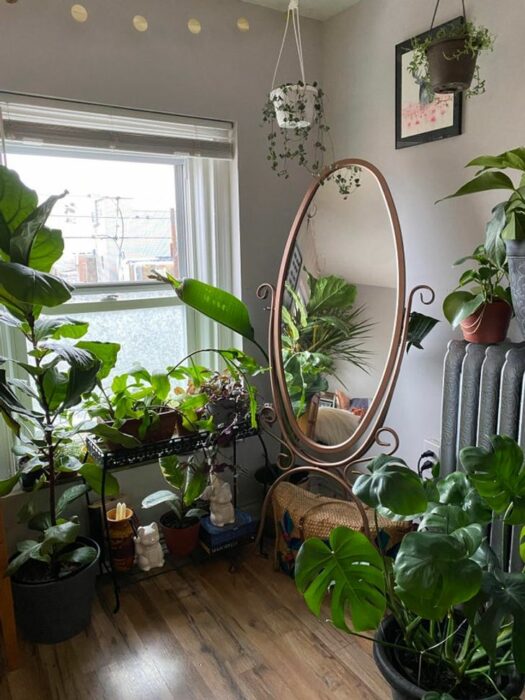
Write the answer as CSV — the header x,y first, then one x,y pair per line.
x,y
422,117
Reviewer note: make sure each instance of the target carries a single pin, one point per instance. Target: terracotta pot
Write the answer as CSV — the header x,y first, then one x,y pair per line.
x,y
489,324
121,543
449,74
180,541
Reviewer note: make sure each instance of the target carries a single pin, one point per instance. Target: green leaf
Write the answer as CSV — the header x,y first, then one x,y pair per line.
x,y
82,556
522,544
16,203
57,327
7,485
510,159
483,183
419,326
172,471
329,293
498,475
194,485
61,535
106,353
515,227
69,496
92,473
161,384
350,570
506,596
25,235
114,435
155,499
426,571
460,305
493,244
393,486
455,489
47,248
28,549
32,287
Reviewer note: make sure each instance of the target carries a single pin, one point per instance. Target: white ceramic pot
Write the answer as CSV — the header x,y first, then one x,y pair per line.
x,y
285,103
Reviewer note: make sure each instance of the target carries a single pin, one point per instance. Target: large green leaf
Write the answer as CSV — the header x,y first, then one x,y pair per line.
x,y
329,293
455,489
506,596
350,570
394,486
493,244
155,499
427,566
81,556
93,473
194,485
47,248
509,159
25,235
213,302
69,496
29,286
105,352
7,485
483,183
498,475
60,535
459,305
27,549
172,471
17,202
514,229
114,435
57,327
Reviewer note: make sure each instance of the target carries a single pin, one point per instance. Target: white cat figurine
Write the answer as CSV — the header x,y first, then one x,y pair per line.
x,y
219,494
148,550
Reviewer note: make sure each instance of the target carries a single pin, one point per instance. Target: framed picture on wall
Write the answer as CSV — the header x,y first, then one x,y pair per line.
x,y
421,114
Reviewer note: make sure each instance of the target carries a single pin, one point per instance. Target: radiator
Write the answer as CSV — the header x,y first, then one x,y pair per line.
x,y
483,394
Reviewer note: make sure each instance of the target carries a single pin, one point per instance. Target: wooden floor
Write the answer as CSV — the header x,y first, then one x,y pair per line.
x,y
202,632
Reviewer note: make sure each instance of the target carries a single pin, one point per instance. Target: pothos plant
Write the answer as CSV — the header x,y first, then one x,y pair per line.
x,y
304,145
488,282
60,369
474,40
459,613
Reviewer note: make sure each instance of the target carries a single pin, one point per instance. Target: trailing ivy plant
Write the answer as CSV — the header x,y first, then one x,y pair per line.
x,y
476,40
58,372
460,614
304,145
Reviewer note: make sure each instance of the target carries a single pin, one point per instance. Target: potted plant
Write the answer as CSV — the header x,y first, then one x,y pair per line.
x,y
53,575
455,619
181,524
483,311
506,229
447,59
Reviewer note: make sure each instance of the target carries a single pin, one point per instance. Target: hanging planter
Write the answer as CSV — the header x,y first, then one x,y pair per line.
x,y
294,114
447,59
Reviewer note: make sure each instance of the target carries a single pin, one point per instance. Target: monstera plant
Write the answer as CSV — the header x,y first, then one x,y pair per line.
x,y
53,574
456,613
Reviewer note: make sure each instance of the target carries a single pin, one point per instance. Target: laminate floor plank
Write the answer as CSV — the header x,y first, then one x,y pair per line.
x,y
201,633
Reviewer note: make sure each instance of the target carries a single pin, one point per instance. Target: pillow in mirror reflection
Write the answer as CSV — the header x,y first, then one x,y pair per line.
x,y
335,425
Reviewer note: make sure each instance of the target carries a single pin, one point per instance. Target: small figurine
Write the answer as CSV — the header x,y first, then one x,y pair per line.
x,y
219,494
148,550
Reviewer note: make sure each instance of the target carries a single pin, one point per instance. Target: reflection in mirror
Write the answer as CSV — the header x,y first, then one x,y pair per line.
x,y
339,307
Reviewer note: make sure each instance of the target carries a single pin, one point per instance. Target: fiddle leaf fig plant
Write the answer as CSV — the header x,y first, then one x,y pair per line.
x,y
483,283
57,373
459,613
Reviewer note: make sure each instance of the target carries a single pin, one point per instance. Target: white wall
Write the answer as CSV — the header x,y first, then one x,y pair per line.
x,y
359,79
221,73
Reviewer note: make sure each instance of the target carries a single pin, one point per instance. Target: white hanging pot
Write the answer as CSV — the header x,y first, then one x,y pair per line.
x,y
294,105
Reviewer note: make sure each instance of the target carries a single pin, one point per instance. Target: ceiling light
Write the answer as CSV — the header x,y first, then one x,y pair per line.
x,y
140,23
194,26
79,13
243,25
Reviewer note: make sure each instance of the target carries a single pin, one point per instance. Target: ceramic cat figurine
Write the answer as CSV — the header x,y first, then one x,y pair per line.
x,y
148,550
219,494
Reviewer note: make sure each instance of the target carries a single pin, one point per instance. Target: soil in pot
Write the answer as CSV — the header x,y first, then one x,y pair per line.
x,y
449,74
488,325
180,540
50,610
401,670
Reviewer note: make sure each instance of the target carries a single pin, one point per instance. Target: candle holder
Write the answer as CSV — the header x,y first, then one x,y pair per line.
x,y
121,543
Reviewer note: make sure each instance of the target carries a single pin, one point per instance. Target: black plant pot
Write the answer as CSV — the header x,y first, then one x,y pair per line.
x,y
403,689
516,258
48,613
448,74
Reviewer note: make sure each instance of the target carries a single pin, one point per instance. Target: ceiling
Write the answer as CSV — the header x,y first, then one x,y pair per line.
x,y
316,9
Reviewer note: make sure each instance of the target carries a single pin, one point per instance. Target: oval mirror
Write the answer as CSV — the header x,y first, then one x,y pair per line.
x,y
339,307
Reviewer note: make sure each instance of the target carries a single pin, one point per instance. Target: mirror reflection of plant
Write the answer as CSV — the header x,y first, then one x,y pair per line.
x,y
57,374
320,332
454,630
488,282
304,145
476,39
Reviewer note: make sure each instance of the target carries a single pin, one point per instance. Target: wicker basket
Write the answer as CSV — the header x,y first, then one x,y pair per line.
x,y
300,515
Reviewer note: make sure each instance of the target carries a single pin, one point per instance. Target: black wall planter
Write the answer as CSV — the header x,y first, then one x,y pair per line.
x,y
49,613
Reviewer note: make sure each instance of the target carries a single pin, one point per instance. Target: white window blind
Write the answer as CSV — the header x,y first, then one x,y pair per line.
x,y
63,123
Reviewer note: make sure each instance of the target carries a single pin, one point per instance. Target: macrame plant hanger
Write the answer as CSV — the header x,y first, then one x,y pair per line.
x,y
293,18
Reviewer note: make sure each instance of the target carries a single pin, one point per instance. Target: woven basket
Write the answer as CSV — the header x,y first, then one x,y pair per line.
x,y
300,515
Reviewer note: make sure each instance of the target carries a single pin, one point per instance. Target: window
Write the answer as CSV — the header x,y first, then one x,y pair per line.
x,y
146,191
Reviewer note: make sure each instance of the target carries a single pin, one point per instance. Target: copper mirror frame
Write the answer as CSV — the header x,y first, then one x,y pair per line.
x,y
299,446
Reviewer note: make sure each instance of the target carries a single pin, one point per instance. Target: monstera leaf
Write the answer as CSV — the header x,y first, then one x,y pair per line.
x,y
456,490
505,594
350,569
434,572
392,485
498,475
